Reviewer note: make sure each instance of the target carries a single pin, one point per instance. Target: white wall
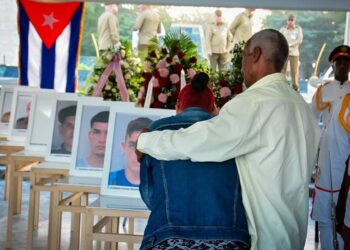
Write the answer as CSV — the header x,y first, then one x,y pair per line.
x,y
8,33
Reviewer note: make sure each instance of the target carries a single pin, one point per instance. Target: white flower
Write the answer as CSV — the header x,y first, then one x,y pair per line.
x,y
108,87
176,59
110,56
114,90
122,52
127,76
137,60
125,64
97,77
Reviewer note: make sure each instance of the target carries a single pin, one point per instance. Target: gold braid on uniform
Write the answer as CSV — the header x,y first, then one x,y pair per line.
x,y
345,120
319,104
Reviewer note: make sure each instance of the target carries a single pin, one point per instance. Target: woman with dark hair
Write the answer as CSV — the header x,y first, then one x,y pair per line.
x,y
194,205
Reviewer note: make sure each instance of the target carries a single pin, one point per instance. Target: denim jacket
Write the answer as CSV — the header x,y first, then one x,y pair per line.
x,y
191,200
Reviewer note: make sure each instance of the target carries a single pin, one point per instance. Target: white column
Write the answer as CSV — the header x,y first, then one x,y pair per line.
x,y
347,29
8,32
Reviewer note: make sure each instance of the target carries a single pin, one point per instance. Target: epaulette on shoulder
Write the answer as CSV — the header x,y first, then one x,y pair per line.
x,y
344,113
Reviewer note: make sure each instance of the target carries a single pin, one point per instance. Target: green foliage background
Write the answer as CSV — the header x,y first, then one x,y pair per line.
x,y
126,18
318,28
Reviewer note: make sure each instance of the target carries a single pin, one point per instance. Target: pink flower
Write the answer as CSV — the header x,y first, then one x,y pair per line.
x,y
161,64
155,83
191,73
163,72
162,97
174,78
225,92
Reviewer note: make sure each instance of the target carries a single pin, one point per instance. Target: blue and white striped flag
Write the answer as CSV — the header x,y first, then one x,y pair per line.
x,y
50,35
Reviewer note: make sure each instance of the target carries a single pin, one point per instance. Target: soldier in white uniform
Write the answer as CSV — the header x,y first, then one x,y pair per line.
x,y
333,91
340,142
346,229
332,150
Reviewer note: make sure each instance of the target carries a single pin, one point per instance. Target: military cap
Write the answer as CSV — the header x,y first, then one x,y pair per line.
x,y
340,51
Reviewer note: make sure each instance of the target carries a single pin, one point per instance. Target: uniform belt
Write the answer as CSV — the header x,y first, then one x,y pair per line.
x,y
327,190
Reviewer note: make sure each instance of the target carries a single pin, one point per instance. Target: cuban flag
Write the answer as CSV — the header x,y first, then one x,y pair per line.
x,y
50,35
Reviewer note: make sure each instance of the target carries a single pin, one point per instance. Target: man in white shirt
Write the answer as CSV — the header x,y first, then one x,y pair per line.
x,y
270,131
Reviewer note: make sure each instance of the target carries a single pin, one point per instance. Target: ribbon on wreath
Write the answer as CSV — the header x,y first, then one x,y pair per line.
x,y
148,98
114,65
182,79
149,92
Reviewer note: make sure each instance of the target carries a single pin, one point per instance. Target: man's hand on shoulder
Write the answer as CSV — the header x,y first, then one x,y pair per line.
x,y
138,153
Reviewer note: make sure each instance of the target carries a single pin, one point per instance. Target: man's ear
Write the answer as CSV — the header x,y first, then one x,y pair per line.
x,y
256,54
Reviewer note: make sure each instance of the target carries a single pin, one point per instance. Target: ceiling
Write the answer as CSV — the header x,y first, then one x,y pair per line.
x,y
326,5
329,5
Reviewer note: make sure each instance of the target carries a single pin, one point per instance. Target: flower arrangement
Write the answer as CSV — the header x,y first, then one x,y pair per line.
x,y
131,69
167,68
228,83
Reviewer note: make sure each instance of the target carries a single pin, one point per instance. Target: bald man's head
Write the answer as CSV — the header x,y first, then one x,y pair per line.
x,y
274,47
265,53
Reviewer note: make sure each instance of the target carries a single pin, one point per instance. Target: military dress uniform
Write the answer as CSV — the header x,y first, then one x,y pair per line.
x,y
242,27
108,30
331,91
218,38
148,24
294,38
344,118
334,149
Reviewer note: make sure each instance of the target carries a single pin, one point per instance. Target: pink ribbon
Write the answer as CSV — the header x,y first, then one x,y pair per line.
x,y
114,65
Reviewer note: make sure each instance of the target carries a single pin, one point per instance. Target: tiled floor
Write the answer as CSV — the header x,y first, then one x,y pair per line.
x,y
40,237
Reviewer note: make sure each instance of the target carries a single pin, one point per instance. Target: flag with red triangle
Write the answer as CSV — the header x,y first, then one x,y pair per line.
x,y
50,35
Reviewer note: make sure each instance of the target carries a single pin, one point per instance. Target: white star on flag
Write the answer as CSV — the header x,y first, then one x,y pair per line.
x,y
49,20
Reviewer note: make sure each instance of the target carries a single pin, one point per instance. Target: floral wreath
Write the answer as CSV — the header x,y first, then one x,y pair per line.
x,y
228,83
166,71
131,71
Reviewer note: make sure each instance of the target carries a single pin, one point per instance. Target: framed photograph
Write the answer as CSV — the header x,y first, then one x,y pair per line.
x,y
90,136
121,175
41,113
6,96
20,110
61,129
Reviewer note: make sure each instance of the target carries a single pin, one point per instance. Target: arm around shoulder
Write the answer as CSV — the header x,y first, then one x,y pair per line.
x,y
234,132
